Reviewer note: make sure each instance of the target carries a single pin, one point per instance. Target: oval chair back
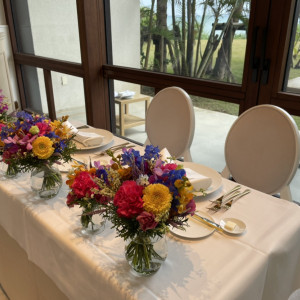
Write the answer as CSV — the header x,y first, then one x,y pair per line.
x,y
170,122
262,150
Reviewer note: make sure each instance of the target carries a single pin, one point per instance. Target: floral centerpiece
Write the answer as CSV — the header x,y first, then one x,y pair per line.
x,y
147,196
35,143
84,192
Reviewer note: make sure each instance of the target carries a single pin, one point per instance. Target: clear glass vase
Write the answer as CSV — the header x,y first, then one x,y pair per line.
x,y
145,255
10,171
91,224
46,181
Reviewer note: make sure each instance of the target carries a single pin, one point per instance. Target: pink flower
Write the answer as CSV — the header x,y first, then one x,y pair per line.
x,y
11,140
43,127
129,200
146,220
27,140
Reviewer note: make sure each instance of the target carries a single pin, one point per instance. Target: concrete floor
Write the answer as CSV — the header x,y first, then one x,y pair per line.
x,y
208,145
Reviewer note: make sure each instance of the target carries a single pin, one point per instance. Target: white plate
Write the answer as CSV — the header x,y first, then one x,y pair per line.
x,y
239,228
208,172
108,137
196,229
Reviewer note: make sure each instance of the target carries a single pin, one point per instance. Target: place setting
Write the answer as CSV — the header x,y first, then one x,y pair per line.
x,y
202,224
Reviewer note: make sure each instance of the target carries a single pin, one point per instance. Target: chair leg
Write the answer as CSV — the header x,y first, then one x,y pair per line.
x,y
285,193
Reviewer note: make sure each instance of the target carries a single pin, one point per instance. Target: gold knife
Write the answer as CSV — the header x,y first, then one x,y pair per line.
x,y
207,222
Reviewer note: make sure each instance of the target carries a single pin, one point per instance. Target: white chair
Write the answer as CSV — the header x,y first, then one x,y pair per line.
x,y
262,150
170,122
295,295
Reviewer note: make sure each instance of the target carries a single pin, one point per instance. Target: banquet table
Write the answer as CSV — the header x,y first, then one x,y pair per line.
x,y
44,256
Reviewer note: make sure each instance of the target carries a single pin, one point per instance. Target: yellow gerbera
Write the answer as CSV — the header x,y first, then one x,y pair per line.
x,y
157,199
60,129
42,147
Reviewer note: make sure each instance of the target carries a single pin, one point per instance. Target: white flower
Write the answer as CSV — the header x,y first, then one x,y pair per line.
x,y
143,180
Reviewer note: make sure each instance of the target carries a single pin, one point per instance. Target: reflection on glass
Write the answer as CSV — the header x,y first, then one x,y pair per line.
x,y
292,78
201,39
69,96
47,28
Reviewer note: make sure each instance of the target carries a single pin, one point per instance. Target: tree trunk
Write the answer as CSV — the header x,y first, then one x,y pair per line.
x,y
149,35
191,10
176,34
158,40
198,51
183,39
222,69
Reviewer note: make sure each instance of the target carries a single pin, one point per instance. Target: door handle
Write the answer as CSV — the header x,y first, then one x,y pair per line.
x,y
255,61
265,62
265,71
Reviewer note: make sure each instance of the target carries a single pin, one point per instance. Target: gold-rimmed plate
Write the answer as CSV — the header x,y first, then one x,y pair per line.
x,y
195,229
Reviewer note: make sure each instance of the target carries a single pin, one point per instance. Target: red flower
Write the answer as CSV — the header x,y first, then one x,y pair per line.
x,y
146,220
83,184
129,200
168,167
71,199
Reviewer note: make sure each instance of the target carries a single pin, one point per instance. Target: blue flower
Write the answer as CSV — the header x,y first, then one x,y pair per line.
x,y
131,158
23,115
102,173
151,152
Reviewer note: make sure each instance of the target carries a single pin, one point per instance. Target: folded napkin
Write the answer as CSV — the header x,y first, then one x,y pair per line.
x,y
73,130
197,180
165,155
126,94
88,139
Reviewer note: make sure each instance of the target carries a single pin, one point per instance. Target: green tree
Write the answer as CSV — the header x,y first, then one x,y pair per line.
x,y
181,45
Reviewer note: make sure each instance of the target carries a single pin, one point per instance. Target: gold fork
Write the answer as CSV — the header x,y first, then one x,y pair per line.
x,y
230,194
227,205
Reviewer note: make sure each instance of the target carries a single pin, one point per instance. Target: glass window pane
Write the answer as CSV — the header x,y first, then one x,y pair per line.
x,y
207,40
47,28
69,96
292,78
68,93
34,87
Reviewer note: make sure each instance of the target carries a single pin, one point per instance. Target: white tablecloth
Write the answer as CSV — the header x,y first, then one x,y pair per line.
x,y
263,263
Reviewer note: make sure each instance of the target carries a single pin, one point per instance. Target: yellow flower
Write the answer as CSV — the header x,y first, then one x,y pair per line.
x,y
157,199
42,147
185,196
60,129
